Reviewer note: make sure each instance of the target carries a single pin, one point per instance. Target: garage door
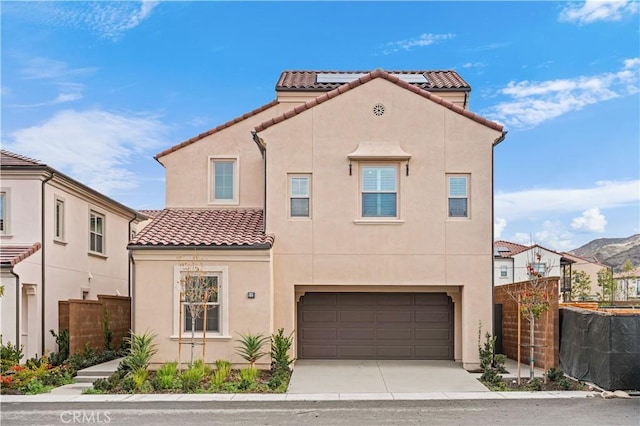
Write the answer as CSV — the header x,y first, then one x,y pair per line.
x,y
375,326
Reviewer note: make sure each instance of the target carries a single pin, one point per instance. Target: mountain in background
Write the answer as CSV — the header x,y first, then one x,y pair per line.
x,y
612,251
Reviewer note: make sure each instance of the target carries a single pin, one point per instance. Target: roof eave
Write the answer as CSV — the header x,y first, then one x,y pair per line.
x,y
265,246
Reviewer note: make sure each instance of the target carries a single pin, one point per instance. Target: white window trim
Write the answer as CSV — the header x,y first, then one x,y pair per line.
x,y
102,253
467,176
223,299
290,177
211,180
373,220
504,268
6,231
61,239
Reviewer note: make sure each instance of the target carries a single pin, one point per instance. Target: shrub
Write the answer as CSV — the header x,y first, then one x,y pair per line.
x,y
280,345
564,383
248,377
166,376
491,367
140,351
279,381
34,387
199,363
139,378
535,385
554,374
223,370
10,355
62,340
190,379
250,348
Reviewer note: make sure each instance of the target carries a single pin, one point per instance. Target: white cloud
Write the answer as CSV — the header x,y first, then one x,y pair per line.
x,y
498,227
69,92
590,221
408,44
552,235
109,19
45,68
474,65
535,102
94,147
598,10
534,203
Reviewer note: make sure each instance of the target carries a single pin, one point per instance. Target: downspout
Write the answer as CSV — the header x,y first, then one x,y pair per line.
x,y
263,150
130,258
17,306
132,268
43,263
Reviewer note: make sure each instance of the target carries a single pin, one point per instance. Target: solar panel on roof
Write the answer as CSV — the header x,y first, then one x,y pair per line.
x,y
503,249
349,77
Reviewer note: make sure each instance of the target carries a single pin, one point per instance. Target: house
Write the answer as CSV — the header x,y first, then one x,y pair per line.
x,y
589,265
355,209
513,261
59,240
627,285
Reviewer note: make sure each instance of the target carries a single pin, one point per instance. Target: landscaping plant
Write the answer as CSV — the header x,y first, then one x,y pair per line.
x,y
280,345
250,348
140,352
166,376
248,377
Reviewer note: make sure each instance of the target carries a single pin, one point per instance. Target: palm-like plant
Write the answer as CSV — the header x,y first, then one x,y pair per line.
x,y
250,348
141,350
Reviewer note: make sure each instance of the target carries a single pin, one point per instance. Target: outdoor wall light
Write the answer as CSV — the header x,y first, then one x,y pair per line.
x,y
251,295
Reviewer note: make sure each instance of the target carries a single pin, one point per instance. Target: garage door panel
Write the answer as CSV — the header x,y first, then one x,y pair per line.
x,y
320,317
357,333
375,326
357,317
395,316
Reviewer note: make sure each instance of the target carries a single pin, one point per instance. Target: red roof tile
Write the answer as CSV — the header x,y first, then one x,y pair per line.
x,y
205,228
366,78
8,158
150,213
307,80
216,129
514,248
11,255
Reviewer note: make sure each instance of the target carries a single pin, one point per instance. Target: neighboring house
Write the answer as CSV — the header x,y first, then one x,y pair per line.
x,y
59,240
512,260
355,210
590,266
627,285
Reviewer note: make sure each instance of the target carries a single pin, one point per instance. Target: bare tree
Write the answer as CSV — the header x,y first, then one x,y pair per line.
x,y
196,290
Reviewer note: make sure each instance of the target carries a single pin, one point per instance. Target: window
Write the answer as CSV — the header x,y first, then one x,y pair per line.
x,y
458,192
215,280
224,176
379,191
210,282
538,269
299,196
96,232
3,212
58,219
503,270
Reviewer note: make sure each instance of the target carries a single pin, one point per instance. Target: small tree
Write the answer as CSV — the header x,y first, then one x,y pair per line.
x,y
581,286
628,272
607,285
196,289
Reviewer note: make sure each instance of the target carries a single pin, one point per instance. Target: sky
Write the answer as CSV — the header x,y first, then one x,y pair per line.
x,y
96,89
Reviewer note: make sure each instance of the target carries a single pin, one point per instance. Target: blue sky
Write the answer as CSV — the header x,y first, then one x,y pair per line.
x,y
97,89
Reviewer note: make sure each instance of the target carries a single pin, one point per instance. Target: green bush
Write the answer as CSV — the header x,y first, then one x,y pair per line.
x,y
139,378
34,387
140,351
190,379
10,355
279,381
535,385
554,374
166,376
248,377
62,340
564,383
250,348
222,372
280,345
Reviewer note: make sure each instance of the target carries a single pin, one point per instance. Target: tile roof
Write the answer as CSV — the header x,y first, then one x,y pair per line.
x,y
307,80
8,158
150,213
204,228
11,255
366,78
216,129
514,248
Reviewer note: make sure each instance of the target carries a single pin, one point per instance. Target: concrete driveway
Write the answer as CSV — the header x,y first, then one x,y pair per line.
x,y
366,376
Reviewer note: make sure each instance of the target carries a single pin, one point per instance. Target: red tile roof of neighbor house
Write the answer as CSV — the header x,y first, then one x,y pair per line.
x,y
514,248
216,129
344,87
12,159
308,80
11,255
150,213
205,228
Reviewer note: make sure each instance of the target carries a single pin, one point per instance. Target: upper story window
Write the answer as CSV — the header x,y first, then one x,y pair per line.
x,y
458,195
96,232
538,269
4,205
58,219
224,180
300,196
379,188
503,271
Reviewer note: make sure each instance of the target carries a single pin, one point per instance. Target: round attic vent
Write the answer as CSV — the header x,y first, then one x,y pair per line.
x,y
378,109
